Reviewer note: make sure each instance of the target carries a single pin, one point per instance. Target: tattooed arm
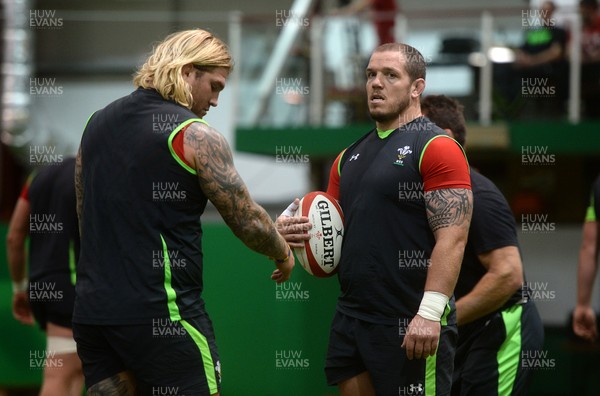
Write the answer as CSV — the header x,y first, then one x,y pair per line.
x,y
121,384
449,213
209,152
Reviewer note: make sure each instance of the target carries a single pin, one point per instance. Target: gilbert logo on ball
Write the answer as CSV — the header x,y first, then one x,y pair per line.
x,y
321,253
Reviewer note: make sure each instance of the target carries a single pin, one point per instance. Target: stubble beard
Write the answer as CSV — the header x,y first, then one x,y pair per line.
x,y
392,115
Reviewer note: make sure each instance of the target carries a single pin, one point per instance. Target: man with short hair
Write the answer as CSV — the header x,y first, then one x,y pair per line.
x,y
405,192
497,321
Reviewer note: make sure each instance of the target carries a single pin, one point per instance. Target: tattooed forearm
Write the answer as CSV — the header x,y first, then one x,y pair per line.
x,y
79,186
448,207
117,385
225,188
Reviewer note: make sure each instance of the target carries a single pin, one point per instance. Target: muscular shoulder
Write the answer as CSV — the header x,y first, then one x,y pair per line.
x,y
203,143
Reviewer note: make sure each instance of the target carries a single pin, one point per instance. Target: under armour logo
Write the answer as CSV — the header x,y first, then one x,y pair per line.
x,y
416,388
354,157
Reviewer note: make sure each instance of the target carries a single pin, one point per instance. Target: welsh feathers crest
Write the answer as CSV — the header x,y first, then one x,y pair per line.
x,y
402,153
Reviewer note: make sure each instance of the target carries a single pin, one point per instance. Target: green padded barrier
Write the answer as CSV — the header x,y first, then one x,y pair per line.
x,y
19,343
272,339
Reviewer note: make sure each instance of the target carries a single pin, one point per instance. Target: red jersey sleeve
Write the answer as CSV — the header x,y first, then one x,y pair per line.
x,y
178,145
443,165
333,188
25,191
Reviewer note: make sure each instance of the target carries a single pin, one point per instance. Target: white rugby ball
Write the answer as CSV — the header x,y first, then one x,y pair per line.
x,y
321,253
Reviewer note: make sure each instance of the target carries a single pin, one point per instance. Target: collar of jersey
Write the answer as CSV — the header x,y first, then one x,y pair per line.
x,y
383,134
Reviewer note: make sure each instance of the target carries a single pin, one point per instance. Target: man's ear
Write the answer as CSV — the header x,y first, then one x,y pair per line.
x,y
449,132
186,70
418,86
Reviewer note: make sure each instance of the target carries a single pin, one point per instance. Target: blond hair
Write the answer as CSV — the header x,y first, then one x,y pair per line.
x,y
162,69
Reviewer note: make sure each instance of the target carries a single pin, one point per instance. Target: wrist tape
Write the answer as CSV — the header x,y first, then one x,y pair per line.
x,y
433,305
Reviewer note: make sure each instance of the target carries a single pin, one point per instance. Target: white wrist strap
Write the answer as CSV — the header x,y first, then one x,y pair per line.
x,y
290,210
433,305
21,286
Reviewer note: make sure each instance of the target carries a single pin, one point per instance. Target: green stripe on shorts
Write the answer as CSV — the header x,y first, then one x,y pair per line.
x,y
430,374
431,361
509,354
174,314
207,361
72,263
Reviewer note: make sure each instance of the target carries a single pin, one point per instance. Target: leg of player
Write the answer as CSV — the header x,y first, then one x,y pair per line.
x,y
360,385
121,384
62,372
73,373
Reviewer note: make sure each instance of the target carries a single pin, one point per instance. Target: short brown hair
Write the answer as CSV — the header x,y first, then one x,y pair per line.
x,y
414,61
447,113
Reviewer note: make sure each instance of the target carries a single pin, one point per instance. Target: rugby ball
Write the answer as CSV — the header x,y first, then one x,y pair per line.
x,y
321,253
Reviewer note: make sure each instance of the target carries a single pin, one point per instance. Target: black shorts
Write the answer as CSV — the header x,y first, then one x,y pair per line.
x,y
499,358
51,300
165,357
356,346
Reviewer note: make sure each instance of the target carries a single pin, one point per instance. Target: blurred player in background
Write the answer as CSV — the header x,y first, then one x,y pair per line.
x,y
405,191
146,168
45,212
383,13
584,317
590,57
543,55
496,319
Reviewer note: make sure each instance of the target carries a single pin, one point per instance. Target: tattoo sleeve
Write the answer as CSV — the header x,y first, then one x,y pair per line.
x,y
79,187
448,207
117,385
224,187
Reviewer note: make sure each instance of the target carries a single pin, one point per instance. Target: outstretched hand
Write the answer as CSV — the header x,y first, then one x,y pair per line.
x,y
284,270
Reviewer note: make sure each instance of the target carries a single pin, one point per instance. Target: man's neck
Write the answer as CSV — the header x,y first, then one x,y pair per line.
x,y
402,120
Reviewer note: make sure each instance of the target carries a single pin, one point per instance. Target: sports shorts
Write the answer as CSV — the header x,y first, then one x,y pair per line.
x,y
356,346
51,300
501,356
165,357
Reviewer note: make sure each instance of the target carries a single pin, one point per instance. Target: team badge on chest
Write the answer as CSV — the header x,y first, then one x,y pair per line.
x,y
402,153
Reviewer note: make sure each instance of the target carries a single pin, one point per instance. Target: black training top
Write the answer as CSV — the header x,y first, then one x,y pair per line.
x,y
53,228
387,239
493,227
542,38
141,252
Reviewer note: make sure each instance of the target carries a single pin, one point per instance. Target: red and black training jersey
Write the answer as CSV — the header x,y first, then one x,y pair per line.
x,y
380,183
141,250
